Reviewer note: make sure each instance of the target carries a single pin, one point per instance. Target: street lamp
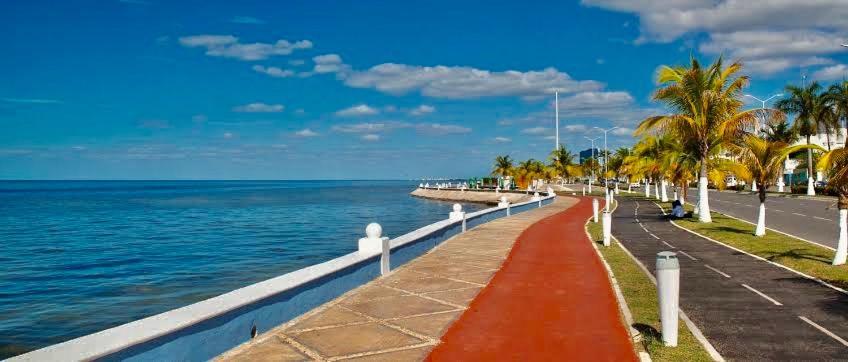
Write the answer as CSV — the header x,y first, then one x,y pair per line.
x,y
593,158
763,108
606,154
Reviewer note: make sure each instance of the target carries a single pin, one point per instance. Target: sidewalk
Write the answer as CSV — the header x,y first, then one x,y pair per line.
x,y
401,316
551,300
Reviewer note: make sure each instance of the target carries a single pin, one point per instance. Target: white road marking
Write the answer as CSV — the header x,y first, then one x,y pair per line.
x,y
777,210
717,271
795,213
655,237
770,299
643,228
687,255
822,218
669,245
825,331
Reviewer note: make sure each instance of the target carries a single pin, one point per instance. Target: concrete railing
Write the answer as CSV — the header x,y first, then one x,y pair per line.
x,y
204,330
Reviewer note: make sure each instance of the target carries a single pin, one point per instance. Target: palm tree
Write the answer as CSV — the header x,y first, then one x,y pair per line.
x,y
837,96
762,161
705,103
562,160
835,163
503,166
527,171
812,115
781,132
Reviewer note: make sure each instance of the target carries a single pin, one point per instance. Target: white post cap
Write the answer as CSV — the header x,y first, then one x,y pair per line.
x,y
374,230
457,207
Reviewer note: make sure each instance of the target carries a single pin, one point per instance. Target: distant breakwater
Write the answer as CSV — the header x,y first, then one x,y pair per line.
x,y
478,196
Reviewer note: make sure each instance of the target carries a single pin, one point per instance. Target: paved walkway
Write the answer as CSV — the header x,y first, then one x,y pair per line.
x,y
551,300
401,317
748,309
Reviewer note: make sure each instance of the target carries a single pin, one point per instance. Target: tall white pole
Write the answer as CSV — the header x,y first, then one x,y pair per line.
x,y
556,107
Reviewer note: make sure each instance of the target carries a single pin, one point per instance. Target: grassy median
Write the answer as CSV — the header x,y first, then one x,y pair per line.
x,y
641,296
800,255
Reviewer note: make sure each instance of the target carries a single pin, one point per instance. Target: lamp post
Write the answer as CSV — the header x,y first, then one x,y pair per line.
x,y
606,154
763,107
556,112
593,158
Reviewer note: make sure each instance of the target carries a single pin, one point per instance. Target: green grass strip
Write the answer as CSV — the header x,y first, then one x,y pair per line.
x,y
808,258
641,296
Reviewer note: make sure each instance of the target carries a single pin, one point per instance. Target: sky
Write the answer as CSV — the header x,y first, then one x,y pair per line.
x,y
155,89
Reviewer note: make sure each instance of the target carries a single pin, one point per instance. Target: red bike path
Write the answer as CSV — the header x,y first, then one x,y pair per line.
x,y
551,300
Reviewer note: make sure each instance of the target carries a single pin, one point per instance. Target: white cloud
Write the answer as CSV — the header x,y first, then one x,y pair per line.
x,y
228,135
229,46
370,137
246,20
421,128
358,110
464,82
577,128
274,71
296,62
615,106
536,131
259,108
422,110
329,63
502,139
306,132
623,131
368,127
769,36
834,72
438,129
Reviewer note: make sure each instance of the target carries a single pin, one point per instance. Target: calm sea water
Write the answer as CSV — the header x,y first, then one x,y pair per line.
x,y
77,257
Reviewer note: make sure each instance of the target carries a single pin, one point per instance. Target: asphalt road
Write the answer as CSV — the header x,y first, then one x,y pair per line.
x,y
813,220
747,308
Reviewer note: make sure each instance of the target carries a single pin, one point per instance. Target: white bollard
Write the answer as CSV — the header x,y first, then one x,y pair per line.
x,y
508,208
754,186
457,213
427,185
372,242
780,186
503,202
607,227
550,191
535,197
616,188
606,199
668,289
595,209
420,186
584,190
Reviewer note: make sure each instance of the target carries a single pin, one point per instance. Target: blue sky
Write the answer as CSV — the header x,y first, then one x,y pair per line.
x,y
152,89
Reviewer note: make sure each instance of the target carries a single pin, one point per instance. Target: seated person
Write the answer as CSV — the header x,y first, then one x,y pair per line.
x,y
677,209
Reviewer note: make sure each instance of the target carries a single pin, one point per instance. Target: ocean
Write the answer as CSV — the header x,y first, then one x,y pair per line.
x,y
77,257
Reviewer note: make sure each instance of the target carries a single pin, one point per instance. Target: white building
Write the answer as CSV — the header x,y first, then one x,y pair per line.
x,y
837,140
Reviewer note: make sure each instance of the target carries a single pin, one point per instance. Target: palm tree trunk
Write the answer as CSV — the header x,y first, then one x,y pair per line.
x,y
647,188
842,245
811,186
664,192
703,193
761,220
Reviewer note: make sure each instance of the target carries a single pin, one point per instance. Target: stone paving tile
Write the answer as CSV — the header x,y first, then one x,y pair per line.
x,y
334,315
401,316
413,354
433,284
270,350
461,296
431,325
339,341
402,306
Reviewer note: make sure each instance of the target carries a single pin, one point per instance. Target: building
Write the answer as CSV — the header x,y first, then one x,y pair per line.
x,y
837,140
587,154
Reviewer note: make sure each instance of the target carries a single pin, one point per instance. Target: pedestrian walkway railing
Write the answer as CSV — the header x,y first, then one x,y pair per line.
x,y
204,330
